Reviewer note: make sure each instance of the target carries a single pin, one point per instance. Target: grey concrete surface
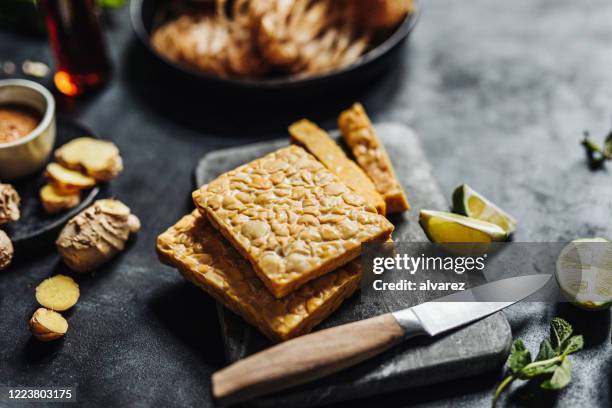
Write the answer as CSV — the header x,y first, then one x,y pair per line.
x,y
499,93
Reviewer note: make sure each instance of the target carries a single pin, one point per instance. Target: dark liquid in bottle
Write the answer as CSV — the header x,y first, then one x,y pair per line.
x,y
76,38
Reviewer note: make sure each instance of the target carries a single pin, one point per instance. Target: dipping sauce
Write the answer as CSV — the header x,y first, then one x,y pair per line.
x,y
17,121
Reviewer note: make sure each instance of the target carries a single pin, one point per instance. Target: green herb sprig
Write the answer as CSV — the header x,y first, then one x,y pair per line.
x,y
596,155
552,359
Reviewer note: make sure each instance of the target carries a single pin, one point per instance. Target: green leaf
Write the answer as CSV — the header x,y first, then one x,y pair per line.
x,y
546,351
560,378
572,345
560,330
539,368
519,356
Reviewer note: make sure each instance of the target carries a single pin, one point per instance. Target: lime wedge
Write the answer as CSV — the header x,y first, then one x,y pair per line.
x,y
468,202
444,227
584,273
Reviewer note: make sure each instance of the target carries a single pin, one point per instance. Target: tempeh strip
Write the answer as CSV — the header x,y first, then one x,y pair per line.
x,y
370,153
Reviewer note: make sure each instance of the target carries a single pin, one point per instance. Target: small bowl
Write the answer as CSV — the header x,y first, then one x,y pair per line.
x,y
27,154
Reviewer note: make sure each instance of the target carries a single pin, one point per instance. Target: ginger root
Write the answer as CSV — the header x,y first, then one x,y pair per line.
x,y
59,292
53,201
97,158
96,235
6,250
9,204
68,181
48,325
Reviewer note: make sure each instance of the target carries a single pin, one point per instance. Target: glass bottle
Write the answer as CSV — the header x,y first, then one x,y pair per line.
x,y
76,38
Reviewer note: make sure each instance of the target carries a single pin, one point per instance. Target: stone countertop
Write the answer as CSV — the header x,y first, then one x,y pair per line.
x,y
499,93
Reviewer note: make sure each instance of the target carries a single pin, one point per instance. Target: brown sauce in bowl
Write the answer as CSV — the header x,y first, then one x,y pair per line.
x,y
17,121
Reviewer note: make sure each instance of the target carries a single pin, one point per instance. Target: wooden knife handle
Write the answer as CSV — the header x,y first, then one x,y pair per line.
x,y
305,358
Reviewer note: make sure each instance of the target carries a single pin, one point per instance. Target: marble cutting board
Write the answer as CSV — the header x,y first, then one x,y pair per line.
x,y
472,350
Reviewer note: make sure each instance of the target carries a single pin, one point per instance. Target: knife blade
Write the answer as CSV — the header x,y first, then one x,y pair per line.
x,y
324,352
460,308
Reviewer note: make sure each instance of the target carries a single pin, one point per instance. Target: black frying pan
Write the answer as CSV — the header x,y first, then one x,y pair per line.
x,y
144,15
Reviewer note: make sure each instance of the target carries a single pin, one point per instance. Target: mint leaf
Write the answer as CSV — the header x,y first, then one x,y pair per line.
x,y
539,368
552,360
519,356
596,155
560,378
560,330
572,345
546,351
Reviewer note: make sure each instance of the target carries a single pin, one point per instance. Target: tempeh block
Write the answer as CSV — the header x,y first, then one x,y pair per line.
x,y
207,260
290,217
371,155
318,143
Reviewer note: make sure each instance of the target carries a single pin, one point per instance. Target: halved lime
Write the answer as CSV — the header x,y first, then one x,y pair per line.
x,y
444,227
584,273
470,203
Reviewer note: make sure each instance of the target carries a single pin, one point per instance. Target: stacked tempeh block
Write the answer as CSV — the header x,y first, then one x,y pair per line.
x,y
278,239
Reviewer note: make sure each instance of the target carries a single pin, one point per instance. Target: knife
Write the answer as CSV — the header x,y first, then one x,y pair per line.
x,y
324,352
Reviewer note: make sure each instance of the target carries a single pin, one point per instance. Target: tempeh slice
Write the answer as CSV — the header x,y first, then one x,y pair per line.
x,y
290,217
207,260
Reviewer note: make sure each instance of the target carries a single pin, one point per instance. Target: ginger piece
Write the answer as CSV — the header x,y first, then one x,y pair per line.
x,y
59,292
97,158
68,181
47,325
6,250
96,235
53,201
9,204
